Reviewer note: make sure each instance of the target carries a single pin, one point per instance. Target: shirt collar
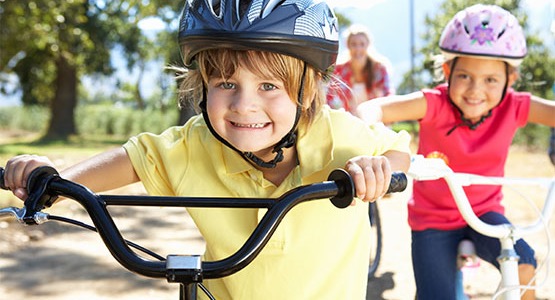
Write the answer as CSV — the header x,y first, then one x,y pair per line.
x,y
314,149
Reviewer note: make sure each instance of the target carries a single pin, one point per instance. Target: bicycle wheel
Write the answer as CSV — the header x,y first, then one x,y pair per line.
x,y
375,239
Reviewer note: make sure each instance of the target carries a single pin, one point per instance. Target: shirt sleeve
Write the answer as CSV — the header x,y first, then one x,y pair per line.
x,y
522,107
387,139
148,154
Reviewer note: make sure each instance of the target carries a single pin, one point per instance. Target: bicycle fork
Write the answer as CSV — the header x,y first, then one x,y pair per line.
x,y
508,262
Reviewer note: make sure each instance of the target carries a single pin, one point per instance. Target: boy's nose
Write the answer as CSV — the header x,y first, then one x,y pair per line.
x,y
244,102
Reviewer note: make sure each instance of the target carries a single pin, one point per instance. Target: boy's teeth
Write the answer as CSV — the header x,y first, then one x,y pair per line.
x,y
258,125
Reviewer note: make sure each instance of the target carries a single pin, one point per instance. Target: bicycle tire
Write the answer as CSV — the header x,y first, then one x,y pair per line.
x,y
375,239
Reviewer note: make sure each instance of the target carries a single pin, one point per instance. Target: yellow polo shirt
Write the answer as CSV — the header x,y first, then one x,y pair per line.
x,y
317,252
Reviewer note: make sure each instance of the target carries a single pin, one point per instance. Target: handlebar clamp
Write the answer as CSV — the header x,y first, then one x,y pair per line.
x,y
184,268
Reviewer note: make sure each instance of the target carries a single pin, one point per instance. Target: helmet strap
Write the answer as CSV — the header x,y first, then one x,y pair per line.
x,y
288,141
464,121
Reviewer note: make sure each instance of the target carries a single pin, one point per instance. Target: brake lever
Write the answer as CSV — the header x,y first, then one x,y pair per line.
x,y
19,214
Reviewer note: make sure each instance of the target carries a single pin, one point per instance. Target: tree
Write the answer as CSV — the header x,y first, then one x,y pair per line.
x,y
536,72
49,45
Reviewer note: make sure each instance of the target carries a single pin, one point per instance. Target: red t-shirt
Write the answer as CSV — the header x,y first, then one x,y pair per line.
x,y
481,151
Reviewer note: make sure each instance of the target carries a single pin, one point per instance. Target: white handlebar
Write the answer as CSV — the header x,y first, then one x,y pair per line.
x,y
435,168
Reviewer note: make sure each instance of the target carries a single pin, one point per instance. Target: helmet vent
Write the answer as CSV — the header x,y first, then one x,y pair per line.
x,y
501,33
216,6
466,29
243,8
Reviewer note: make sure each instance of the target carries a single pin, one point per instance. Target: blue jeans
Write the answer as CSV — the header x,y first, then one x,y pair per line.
x,y
434,256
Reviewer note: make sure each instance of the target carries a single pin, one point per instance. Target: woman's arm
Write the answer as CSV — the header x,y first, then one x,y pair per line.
x,y
393,108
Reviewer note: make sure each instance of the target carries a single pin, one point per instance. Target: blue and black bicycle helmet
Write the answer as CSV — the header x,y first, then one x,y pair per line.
x,y
303,29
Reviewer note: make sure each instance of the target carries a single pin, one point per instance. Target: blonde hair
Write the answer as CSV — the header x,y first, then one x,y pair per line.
x,y
224,63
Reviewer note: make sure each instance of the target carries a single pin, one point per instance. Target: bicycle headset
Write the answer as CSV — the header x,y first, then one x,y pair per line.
x,y
483,31
306,30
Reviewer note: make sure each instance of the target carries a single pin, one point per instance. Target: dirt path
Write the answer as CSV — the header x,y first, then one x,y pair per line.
x,y
57,261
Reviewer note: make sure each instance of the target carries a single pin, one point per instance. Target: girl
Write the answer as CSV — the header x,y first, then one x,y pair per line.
x,y
469,121
256,70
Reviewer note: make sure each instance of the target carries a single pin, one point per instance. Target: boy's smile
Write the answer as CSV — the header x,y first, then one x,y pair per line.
x,y
251,113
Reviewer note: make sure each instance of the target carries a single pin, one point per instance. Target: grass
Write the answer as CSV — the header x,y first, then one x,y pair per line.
x,y
79,145
61,153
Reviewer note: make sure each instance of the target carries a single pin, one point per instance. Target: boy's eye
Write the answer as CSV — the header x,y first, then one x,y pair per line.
x,y
227,85
268,87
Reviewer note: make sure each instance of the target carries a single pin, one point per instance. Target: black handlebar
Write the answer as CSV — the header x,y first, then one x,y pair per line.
x,y
45,185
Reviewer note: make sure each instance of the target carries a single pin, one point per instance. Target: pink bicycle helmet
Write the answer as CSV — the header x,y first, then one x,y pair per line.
x,y
486,31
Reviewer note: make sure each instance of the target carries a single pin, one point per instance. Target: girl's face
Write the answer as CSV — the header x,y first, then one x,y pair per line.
x,y
477,85
358,46
250,112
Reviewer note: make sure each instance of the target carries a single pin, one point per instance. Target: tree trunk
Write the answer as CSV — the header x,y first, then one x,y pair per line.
x,y
138,96
62,108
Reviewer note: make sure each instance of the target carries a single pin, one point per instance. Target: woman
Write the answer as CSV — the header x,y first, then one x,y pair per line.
x,y
363,77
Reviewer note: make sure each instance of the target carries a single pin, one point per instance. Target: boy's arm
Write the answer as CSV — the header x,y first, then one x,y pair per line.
x,y
398,160
394,108
372,174
106,171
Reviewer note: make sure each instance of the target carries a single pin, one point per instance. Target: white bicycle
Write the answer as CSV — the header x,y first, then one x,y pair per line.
x,y
435,168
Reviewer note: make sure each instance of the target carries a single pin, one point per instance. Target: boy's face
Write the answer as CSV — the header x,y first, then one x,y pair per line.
x,y
477,85
250,112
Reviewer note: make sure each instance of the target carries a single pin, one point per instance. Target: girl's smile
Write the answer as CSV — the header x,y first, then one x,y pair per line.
x,y
477,85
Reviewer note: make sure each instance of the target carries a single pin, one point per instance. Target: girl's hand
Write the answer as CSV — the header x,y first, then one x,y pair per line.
x,y
17,171
371,176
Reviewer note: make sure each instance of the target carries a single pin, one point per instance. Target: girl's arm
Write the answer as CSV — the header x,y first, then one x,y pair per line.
x,y
410,107
542,111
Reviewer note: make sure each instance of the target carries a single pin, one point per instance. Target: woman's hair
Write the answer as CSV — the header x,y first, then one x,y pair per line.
x,y
371,59
223,63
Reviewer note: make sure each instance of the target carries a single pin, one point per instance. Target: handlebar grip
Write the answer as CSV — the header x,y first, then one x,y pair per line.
x,y
346,186
2,186
398,182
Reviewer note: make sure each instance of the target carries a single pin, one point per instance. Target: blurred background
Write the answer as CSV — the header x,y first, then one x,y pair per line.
x,y
82,68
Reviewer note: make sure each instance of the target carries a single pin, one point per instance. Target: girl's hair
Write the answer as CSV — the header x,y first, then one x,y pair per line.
x,y
223,63
439,60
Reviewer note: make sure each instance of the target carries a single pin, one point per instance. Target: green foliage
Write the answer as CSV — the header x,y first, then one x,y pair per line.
x,y
536,71
92,120
29,118
47,43
107,120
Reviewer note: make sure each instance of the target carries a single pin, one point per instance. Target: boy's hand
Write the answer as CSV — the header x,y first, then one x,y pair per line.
x,y
371,176
17,170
